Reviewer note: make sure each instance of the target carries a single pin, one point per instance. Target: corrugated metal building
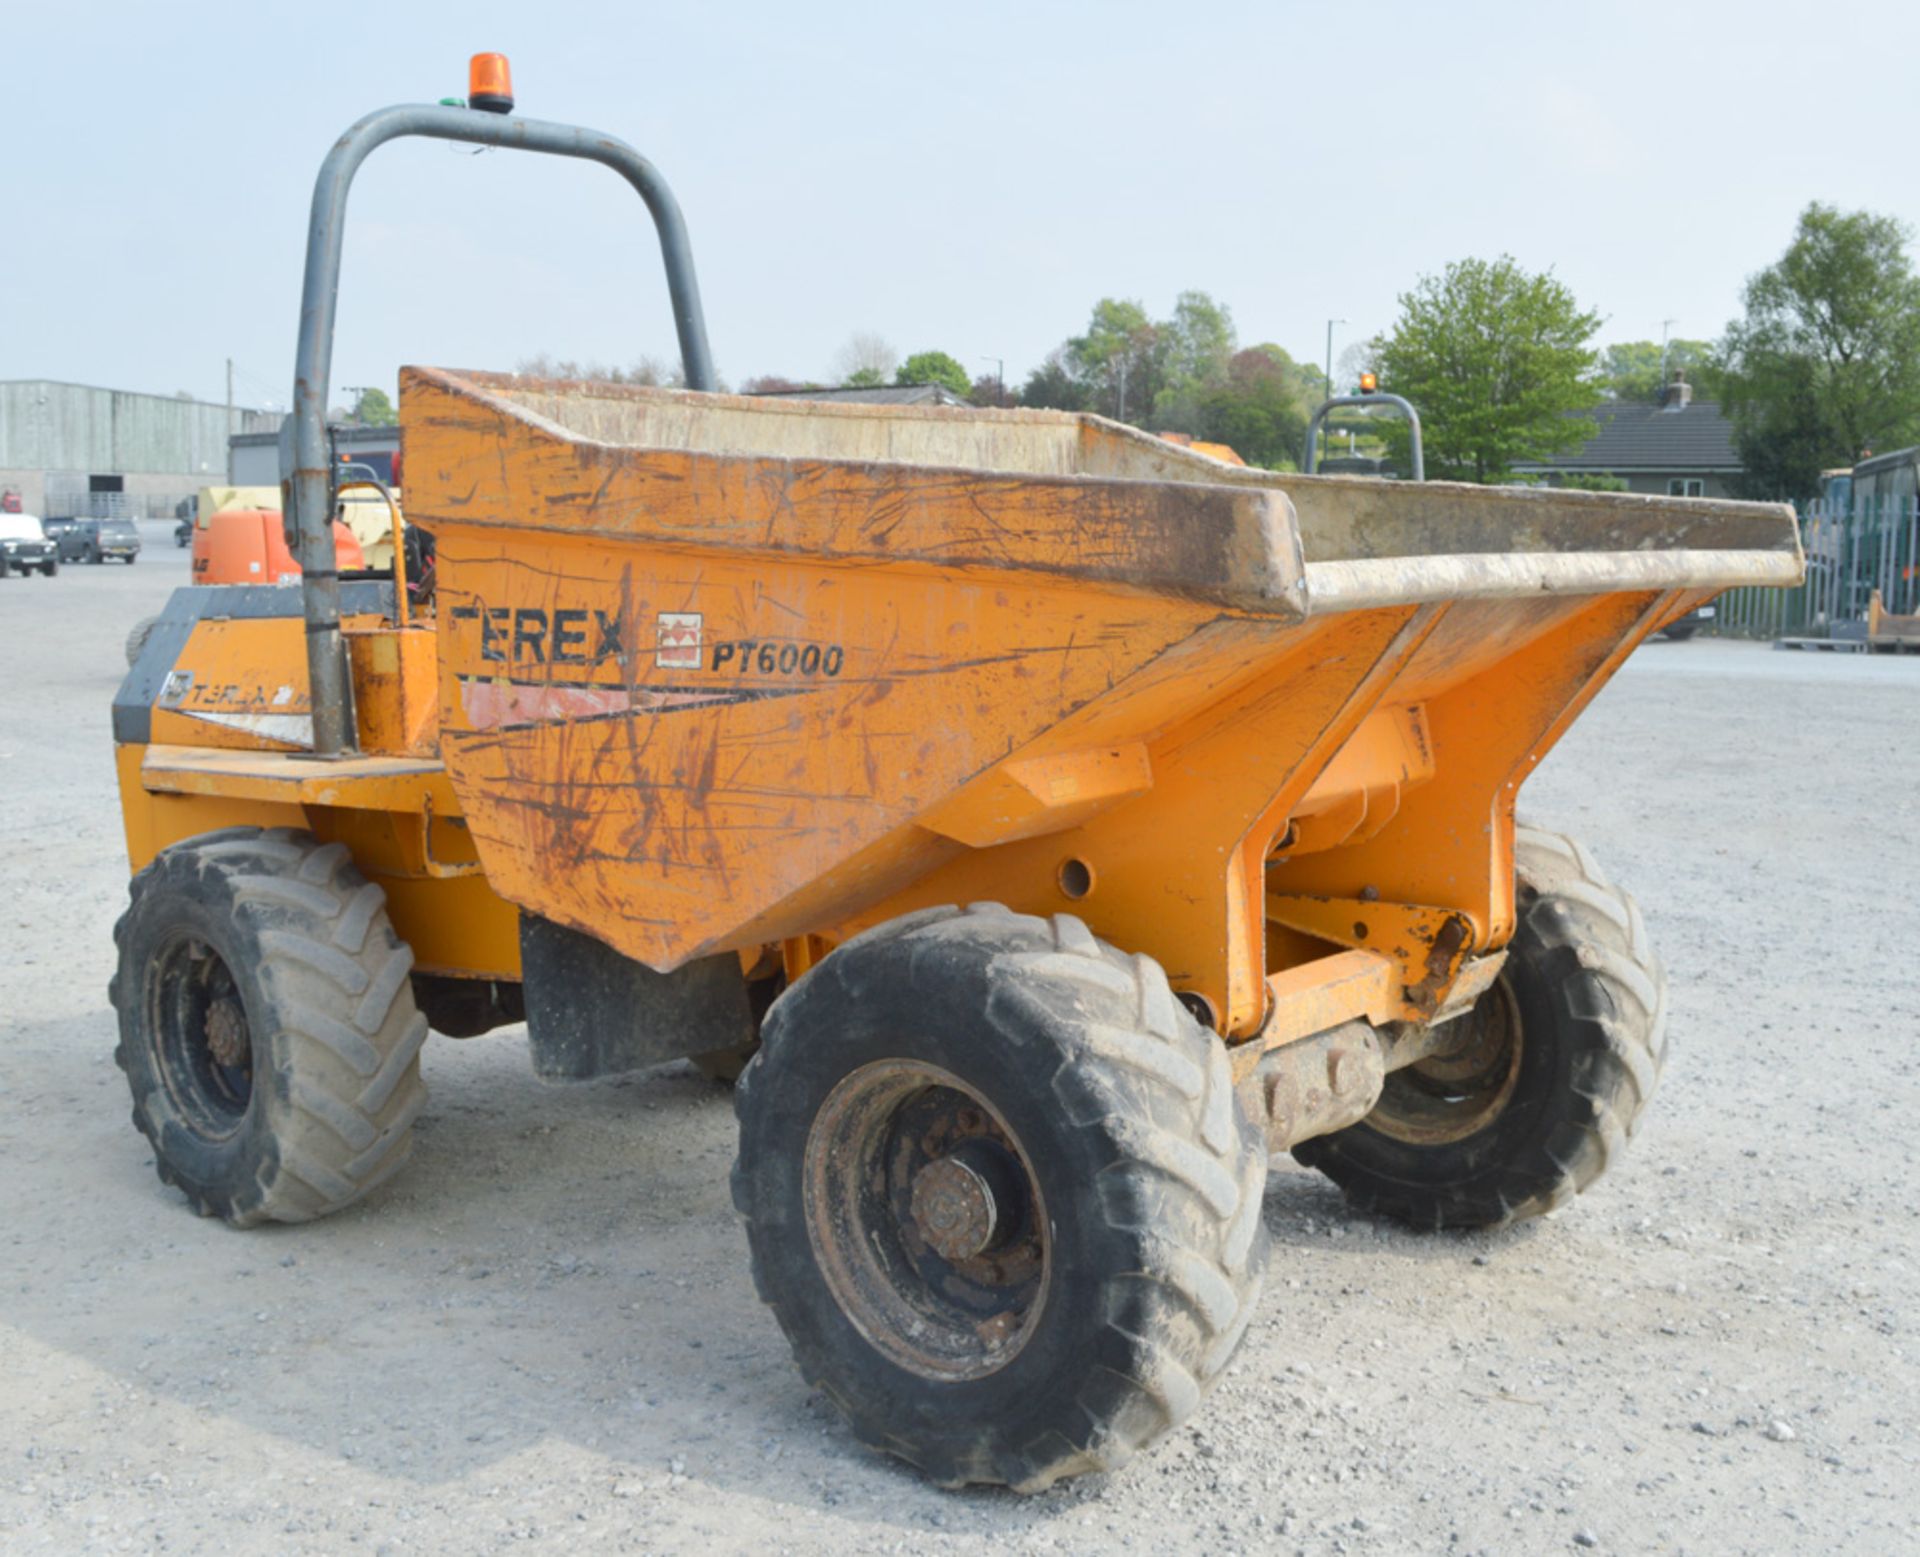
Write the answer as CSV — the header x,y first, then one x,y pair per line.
x,y
76,449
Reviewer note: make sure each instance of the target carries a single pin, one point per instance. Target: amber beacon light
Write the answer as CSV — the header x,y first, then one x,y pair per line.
x,y
490,84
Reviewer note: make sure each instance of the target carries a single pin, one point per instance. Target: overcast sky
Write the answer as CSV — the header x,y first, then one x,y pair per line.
x,y
968,177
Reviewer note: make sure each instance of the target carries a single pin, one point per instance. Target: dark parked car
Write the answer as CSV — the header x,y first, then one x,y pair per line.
x,y
1688,625
106,538
66,538
24,547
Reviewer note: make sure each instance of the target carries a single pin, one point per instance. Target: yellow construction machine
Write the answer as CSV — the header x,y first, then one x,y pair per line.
x,y
1061,820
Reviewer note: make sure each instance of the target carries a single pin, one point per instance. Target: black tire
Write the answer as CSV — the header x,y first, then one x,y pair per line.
x,y
1562,1057
1680,632
50,567
131,558
308,1103
137,639
95,559
1132,1264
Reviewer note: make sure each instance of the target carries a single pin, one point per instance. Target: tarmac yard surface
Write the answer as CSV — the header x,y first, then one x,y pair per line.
x,y
542,1336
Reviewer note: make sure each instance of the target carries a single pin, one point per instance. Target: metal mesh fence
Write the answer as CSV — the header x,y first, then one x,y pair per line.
x,y
112,505
1852,549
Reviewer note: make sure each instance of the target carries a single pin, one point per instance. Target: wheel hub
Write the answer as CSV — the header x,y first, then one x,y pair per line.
x,y
1458,1092
926,1219
227,1032
199,1027
953,1208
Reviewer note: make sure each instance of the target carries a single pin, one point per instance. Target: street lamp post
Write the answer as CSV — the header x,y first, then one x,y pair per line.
x,y
1330,324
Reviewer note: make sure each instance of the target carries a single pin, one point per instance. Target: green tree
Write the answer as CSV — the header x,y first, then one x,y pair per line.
x,y
864,378
1055,385
1825,364
1260,407
1494,359
1630,371
935,367
372,408
1120,361
1786,439
1197,344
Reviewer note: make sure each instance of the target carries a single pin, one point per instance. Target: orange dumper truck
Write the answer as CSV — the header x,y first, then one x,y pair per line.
x,y
1052,822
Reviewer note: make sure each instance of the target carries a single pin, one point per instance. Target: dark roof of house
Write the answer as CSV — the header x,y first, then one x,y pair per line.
x,y
878,394
1650,438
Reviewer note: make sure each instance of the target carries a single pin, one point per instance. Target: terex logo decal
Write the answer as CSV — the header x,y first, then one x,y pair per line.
x,y
678,640
531,635
528,642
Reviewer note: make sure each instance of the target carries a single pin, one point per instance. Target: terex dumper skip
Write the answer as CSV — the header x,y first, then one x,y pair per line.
x,y
1103,817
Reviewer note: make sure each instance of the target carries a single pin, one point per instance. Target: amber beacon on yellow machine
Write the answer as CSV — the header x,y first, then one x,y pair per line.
x,y
1043,822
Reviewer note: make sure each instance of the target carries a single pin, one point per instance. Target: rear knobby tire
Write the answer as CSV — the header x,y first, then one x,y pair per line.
x,y
1582,1006
1143,1183
267,1026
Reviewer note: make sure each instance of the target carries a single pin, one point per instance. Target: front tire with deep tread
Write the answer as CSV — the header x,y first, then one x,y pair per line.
x,y
1588,1002
295,942
1123,1111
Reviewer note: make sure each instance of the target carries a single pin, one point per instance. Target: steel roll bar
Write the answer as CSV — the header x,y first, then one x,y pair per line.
x,y
1404,406
306,466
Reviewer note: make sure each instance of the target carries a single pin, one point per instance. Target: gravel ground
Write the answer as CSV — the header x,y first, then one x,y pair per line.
x,y
544,1336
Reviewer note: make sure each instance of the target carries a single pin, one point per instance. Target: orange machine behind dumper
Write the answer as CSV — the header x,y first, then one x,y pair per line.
x,y
244,542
